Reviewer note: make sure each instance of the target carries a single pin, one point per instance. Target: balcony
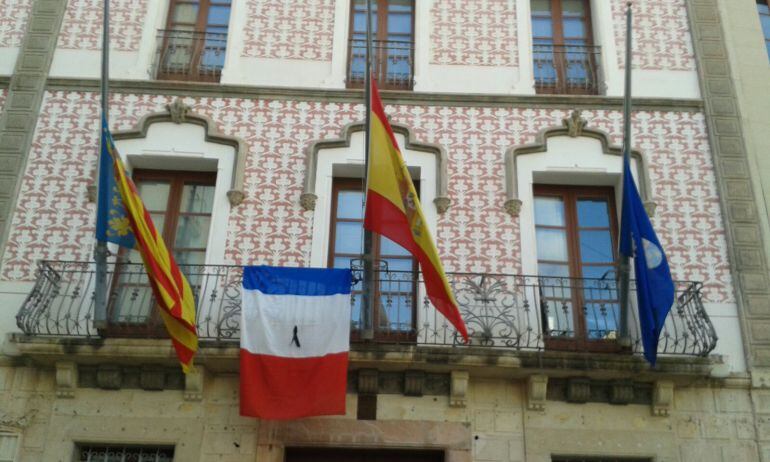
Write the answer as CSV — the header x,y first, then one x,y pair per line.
x,y
392,64
566,69
502,312
191,56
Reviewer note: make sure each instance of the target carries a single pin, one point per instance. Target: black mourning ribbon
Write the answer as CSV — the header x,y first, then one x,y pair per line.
x,y
294,338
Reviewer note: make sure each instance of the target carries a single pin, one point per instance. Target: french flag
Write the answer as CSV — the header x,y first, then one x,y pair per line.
x,y
295,339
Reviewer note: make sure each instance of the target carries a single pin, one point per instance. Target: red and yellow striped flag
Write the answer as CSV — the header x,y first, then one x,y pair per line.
x,y
393,210
170,287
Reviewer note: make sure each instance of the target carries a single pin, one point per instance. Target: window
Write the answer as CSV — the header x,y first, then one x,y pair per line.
x,y
575,230
8,444
193,45
361,455
180,204
763,6
565,60
392,44
118,453
394,314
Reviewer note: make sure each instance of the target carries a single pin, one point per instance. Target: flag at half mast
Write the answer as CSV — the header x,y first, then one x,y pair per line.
x,y
393,210
123,220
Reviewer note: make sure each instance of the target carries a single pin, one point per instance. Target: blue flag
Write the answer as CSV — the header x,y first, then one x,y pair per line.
x,y
112,224
654,286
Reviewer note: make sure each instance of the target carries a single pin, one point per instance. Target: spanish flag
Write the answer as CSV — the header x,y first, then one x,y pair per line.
x,y
393,210
171,289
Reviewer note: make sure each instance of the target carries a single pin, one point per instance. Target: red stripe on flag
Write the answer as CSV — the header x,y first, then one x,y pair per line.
x,y
278,388
383,217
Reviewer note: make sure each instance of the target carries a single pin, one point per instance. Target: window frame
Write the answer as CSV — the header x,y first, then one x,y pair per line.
x,y
570,195
199,28
761,28
379,60
177,180
356,184
560,59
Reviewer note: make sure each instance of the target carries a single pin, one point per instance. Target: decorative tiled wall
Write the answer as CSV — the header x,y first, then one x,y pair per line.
x,y
13,21
481,33
289,29
662,39
54,220
82,26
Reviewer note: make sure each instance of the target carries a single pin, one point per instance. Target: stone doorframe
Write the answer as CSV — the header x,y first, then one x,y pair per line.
x,y
453,438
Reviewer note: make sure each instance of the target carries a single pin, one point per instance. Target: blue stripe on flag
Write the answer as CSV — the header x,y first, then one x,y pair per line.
x,y
297,281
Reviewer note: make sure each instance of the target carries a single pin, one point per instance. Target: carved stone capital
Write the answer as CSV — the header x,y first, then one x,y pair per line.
x,y
513,207
575,124
307,201
442,204
193,384
458,389
649,207
178,111
66,379
235,197
662,397
537,386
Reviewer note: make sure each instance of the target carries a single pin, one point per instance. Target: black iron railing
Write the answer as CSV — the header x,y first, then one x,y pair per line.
x,y
566,69
500,311
392,64
187,55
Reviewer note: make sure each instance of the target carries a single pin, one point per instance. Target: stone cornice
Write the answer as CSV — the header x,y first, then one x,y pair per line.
x,y
392,97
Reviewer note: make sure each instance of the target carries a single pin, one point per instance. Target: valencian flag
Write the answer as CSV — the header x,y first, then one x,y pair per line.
x,y
654,286
393,210
123,220
295,338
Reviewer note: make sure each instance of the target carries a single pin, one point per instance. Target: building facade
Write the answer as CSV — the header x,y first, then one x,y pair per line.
x,y
242,124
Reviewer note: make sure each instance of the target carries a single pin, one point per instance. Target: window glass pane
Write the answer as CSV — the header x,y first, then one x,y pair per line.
x,y
552,245
350,205
197,199
158,219
765,19
593,213
573,7
403,6
541,6
549,211
763,8
186,12
348,238
600,272
596,247
388,247
542,27
574,27
154,194
190,258
399,23
192,231
219,15
400,264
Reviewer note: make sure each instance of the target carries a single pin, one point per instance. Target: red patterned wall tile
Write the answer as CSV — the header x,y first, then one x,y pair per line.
x,y
82,25
662,39
55,221
13,21
288,29
481,33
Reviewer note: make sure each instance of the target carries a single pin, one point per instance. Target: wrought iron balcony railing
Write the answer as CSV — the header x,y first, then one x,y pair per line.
x,y
500,311
188,55
566,69
392,64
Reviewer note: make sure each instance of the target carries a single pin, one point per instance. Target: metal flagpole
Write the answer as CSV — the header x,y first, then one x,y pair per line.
x,y
369,269
100,253
624,269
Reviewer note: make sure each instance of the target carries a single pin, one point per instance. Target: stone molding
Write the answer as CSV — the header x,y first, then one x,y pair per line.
x,y
178,112
458,389
734,181
309,196
198,89
66,379
22,107
662,398
537,388
573,126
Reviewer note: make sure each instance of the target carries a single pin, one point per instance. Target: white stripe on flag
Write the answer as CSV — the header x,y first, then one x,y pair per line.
x,y
268,321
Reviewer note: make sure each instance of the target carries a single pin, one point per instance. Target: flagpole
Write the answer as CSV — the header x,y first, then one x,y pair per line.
x,y
100,252
369,282
624,269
